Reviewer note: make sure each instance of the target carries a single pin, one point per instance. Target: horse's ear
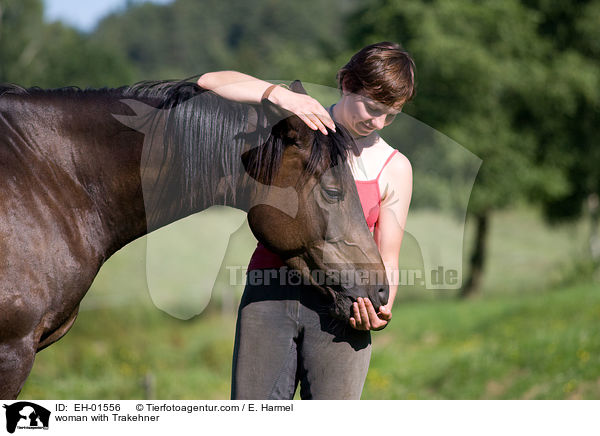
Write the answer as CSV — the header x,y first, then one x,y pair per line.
x,y
295,123
297,87
282,122
274,113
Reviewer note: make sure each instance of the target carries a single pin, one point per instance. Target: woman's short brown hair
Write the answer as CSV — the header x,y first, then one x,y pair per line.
x,y
383,72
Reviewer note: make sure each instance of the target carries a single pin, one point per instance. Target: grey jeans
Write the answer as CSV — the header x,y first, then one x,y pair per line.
x,y
285,337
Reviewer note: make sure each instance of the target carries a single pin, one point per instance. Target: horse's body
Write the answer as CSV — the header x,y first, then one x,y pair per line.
x,y
78,181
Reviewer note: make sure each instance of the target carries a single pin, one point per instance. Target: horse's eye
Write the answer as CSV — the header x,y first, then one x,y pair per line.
x,y
332,194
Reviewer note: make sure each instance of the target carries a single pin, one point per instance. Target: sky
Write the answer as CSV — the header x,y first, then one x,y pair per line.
x,y
83,14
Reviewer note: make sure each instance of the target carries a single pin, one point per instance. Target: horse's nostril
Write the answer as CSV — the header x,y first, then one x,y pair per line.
x,y
383,295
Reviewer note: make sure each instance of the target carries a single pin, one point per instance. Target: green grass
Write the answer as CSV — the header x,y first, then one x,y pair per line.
x,y
541,345
531,346
112,354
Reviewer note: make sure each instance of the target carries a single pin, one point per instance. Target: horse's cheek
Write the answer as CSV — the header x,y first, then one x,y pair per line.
x,y
273,228
327,219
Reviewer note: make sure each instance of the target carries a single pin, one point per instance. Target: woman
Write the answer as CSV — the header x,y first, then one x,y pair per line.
x,y
283,334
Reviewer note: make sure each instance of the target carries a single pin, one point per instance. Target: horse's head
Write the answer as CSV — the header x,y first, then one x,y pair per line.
x,y
324,235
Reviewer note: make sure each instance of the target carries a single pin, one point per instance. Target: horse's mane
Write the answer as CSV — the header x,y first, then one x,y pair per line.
x,y
9,88
204,136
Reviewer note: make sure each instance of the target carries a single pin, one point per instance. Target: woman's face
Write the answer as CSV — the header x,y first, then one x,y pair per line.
x,y
362,116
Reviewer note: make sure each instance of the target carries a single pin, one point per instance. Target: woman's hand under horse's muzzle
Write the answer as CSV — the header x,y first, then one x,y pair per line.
x,y
366,318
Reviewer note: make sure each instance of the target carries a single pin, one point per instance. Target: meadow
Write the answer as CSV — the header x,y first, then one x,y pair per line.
x,y
530,334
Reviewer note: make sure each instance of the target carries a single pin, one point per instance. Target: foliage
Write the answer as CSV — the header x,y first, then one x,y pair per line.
x,y
567,119
21,37
267,38
53,55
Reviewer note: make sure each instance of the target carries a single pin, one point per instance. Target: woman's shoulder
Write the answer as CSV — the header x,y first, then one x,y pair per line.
x,y
379,158
397,169
396,158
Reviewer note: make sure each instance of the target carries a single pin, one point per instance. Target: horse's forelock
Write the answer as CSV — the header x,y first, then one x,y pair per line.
x,y
328,151
341,145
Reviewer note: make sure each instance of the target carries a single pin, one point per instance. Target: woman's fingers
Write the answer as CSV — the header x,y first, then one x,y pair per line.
x,y
305,107
385,313
309,122
318,122
356,321
374,320
378,320
366,318
321,114
364,315
315,120
360,320
356,312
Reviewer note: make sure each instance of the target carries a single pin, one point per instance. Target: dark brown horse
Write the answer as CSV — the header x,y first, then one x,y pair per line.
x,y
83,173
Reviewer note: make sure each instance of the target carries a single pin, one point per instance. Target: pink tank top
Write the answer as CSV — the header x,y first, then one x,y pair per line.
x,y
370,200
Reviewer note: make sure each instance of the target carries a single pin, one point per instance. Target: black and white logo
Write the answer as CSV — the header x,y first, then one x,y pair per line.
x,y
26,415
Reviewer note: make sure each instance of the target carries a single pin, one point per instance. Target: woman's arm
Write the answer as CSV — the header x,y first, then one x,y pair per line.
x,y
392,218
234,86
397,178
243,88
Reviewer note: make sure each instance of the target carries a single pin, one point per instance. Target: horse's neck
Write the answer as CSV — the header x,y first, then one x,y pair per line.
x,y
186,166
75,168
106,160
99,167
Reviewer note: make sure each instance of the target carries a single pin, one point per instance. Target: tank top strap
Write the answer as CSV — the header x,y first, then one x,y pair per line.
x,y
386,162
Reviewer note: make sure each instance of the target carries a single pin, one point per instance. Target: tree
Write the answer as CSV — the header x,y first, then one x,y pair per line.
x,y
21,32
70,58
267,38
52,55
569,135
